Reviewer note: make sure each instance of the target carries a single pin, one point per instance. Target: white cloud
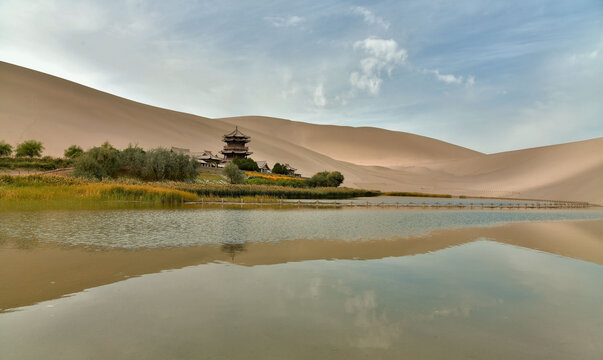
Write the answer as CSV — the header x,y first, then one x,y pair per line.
x,y
319,96
450,78
382,56
370,17
289,21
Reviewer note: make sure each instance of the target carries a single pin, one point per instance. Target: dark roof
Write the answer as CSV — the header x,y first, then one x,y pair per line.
x,y
236,133
263,164
208,155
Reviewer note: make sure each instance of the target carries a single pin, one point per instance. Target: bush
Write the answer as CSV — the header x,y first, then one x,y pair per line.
x,y
232,172
335,178
133,160
162,164
5,149
246,164
325,179
73,151
155,165
98,162
30,148
279,169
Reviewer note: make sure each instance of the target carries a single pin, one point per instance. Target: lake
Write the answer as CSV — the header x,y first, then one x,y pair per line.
x,y
194,282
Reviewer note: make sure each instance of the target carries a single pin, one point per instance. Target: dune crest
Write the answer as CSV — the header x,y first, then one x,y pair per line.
x,y
61,113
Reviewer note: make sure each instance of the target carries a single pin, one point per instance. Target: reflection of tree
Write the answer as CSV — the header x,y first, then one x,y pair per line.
x,y
233,249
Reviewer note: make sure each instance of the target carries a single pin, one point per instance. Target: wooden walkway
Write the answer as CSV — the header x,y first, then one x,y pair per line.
x,y
398,205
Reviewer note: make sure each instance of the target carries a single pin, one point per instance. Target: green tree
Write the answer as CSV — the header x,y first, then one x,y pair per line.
x,y
73,151
98,162
319,179
133,159
279,169
335,178
5,149
30,148
232,172
246,164
162,164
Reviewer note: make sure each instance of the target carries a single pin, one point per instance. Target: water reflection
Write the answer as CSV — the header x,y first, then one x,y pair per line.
x,y
233,249
48,271
480,300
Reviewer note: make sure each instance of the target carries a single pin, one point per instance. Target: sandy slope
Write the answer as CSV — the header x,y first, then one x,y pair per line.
x,y
61,113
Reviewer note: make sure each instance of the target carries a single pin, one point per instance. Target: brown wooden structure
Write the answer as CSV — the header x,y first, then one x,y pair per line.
x,y
236,145
208,159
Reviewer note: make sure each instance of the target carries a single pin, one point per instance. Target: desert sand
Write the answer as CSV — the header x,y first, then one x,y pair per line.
x,y
60,113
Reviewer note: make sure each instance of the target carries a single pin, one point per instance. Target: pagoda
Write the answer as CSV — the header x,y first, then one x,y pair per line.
x,y
235,145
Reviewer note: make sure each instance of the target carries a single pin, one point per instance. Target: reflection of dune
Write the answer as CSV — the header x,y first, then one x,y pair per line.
x,y
42,271
60,113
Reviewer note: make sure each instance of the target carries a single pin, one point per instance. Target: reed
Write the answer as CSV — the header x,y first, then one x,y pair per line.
x,y
281,192
52,187
40,187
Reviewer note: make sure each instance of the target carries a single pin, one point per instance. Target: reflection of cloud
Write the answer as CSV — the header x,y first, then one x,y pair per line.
x,y
375,330
462,310
314,288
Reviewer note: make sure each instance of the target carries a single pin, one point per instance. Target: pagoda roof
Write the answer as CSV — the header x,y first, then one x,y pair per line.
x,y
207,155
236,133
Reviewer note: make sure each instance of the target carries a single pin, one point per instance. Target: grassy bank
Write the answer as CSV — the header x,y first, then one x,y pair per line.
x,y
50,187
44,187
280,192
40,164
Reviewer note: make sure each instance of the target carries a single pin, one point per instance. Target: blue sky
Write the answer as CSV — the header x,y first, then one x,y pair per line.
x,y
489,75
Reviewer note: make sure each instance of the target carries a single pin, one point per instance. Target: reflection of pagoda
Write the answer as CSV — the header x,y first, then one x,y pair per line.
x,y
235,145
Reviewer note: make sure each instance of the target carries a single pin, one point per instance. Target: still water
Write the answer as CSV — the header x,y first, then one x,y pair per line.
x,y
194,225
300,284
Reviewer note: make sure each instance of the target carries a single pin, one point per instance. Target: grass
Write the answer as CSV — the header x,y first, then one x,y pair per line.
x,y
275,191
47,187
41,164
62,188
209,177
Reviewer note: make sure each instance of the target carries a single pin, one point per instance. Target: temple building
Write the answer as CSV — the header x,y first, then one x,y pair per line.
x,y
208,159
264,168
235,145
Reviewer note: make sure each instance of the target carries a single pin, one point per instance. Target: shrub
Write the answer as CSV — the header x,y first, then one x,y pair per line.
x,y
246,164
319,179
325,179
73,151
279,169
232,172
133,161
335,178
98,162
162,164
5,149
30,148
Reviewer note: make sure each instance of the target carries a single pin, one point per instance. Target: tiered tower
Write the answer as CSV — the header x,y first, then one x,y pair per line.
x,y
236,145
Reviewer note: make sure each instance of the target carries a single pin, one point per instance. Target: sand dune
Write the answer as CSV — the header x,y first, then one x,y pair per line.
x,y
61,113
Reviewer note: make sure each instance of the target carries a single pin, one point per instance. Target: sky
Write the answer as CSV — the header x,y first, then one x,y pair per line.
x,y
489,75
